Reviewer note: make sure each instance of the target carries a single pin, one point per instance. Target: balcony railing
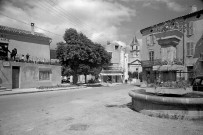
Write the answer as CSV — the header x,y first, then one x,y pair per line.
x,y
148,63
35,60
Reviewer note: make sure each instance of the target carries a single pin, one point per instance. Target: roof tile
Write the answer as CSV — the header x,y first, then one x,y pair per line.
x,y
22,32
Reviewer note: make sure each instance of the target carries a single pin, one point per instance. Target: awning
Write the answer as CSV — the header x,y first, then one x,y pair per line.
x,y
168,68
110,74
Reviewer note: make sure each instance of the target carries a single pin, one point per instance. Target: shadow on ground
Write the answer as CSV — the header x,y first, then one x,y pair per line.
x,y
128,105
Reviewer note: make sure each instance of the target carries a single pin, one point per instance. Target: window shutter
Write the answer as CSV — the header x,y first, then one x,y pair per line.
x,y
152,55
188,48
153,39
192,48
190,28
147,40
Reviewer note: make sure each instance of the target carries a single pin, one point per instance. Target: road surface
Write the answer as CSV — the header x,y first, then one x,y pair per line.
x,y
90,111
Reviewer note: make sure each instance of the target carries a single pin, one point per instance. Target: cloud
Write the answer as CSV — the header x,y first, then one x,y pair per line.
x,y
175,6
171,5
149,4
98,19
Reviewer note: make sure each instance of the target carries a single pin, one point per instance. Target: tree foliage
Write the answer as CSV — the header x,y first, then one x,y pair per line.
x,y
80,54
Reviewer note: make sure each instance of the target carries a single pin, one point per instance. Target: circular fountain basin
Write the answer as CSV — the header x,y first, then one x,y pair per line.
x,y
187,106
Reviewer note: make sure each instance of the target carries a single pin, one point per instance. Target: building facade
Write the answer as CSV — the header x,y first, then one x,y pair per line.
x,y
31,66
172,50
117,72
134,64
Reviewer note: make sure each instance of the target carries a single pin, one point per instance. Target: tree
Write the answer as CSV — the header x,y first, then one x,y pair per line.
x,y
66,71
80,54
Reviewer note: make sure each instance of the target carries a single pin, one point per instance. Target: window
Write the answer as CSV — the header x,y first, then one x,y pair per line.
x,y
189,28
3,50
190,48
116,47
151,55
150,40
44,75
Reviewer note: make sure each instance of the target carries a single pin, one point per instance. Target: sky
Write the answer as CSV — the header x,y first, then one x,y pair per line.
x,y
99,20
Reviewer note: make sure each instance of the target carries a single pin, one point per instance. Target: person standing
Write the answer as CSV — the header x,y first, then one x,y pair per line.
x,y
13,54
27,57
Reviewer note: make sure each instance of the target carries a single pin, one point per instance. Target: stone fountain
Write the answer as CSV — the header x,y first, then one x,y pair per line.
x,y
168,103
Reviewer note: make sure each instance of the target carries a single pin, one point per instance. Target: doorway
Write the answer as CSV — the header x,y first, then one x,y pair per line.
x,y
15,77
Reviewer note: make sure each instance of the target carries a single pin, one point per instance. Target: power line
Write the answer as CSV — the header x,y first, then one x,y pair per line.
x,y
45,5
29,24
64,12
74,20
49,6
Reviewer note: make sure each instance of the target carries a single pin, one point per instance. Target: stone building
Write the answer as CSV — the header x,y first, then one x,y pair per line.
x,y
118,70
23,71
172,50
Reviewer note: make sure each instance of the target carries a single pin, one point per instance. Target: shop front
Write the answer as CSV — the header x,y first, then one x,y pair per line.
x,y
111,76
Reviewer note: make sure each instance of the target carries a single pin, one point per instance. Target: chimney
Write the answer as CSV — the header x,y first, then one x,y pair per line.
x,y
32,28
193,8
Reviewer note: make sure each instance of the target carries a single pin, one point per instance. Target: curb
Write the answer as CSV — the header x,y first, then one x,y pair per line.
x,y
44,90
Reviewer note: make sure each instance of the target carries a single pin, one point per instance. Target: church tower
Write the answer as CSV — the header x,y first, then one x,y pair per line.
x,y
134,64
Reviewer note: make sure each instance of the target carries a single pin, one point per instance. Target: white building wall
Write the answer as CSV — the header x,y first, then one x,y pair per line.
x,y
35,50
126,67
122,60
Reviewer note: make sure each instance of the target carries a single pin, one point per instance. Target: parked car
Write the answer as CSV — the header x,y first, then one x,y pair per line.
x,y
197,84
65,79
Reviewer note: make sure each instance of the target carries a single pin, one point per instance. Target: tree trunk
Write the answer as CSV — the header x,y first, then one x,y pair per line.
x,y
75,78
85,79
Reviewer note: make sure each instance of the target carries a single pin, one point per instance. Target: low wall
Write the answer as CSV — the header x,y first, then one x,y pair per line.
x,y
29,74
167,107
